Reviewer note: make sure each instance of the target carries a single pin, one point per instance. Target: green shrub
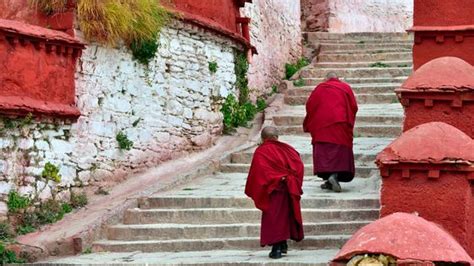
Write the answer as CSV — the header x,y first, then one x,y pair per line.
x,y
51,172
49,212
123,141
291,69
213,67
16,202
8,256
25,229
144,51
6,232
274,89
236,115
242,83
299,82
78,200
67,208
250,111
261,104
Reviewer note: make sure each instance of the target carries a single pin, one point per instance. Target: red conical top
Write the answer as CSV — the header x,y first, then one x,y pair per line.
x,y
434,142
444,73
405,237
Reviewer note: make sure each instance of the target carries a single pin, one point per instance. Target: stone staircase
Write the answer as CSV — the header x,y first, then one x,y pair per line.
x,y
211,222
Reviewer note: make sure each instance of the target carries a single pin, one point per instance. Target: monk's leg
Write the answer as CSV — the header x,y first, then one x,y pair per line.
x,y
275,227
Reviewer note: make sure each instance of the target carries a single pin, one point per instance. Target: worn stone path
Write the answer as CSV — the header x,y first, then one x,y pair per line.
x,y
211,222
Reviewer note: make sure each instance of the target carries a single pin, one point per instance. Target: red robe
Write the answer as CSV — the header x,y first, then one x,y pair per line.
x,y
272,161
330,113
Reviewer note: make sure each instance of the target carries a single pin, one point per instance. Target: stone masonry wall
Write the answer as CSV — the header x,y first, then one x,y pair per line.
x,y
370,15
276,32
167,109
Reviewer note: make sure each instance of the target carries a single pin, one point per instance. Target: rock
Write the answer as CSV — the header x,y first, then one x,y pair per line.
x,y
42,145
3,211
203,140
5,187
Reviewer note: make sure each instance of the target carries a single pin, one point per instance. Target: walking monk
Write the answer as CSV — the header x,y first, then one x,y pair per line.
x,y
330,116
275,184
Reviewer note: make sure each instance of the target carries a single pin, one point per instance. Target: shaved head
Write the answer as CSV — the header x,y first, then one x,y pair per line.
x,y
269,133
331,75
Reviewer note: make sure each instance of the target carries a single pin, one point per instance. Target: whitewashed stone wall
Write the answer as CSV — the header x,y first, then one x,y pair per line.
x,y
276,33
167,109
370,15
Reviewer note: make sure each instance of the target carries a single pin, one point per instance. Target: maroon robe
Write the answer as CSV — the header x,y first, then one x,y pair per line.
x,y
330,117
278,199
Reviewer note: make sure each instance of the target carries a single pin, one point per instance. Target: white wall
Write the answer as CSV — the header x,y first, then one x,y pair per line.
x,y
370,15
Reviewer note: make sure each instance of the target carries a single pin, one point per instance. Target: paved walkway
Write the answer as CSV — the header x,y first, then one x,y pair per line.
x,y
211,222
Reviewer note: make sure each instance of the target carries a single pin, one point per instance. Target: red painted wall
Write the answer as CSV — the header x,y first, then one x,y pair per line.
x,y
218,12
38,70
20,10
445,201
443,13
443,28
460,117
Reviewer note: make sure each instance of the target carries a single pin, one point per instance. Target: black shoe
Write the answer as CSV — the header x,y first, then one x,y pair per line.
x,y
326,185
284,247
276,252
334,183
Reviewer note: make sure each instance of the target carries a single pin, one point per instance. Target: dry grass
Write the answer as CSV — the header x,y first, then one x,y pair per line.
x,y
49,6
111,21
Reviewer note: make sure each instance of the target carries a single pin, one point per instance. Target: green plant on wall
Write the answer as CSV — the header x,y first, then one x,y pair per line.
x,y
291,69
237,112
51,172
261,104
213,67
123,141
144,51
16,202
242,83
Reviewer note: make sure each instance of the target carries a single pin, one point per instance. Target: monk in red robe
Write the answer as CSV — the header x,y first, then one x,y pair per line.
x,y
275,184
330,117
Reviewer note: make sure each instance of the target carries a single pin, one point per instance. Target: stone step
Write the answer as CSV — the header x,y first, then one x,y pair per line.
x,y
362,171
357,88
368,51
204,231
310,242
306,157
295,120
357,36
370,72
329,47
233,215
360,130
187,202
250,257
312,81
365,57
365,64
362,98
365,149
